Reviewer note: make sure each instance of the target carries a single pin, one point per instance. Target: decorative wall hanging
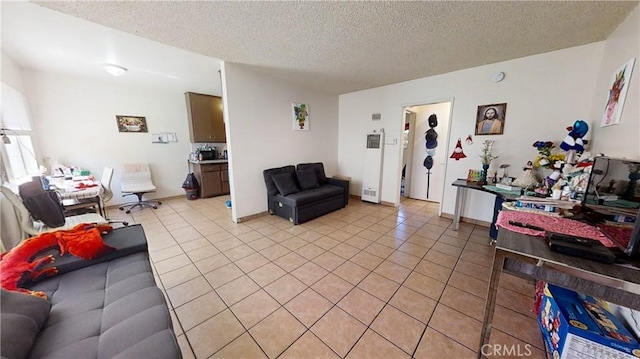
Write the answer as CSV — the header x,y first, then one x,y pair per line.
x,y
469,140
617,94
490,119
131,124
457,152
300,117
431,142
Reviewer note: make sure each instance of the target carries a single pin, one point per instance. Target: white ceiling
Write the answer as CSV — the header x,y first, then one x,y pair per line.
x,y
338,47
39,38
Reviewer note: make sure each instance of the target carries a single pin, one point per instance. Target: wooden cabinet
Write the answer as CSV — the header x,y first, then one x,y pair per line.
x,y
213,179
206,123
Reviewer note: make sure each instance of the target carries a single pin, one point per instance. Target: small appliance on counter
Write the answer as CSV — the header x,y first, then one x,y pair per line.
x,y
207,154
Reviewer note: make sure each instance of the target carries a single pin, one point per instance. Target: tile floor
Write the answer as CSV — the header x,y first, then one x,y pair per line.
x,y
367,281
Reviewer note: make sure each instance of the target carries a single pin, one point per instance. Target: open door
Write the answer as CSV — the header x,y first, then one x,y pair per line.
x,y
424,178
407,152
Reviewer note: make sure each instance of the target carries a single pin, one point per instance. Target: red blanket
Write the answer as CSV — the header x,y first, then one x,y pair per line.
x,y
83,241
552,224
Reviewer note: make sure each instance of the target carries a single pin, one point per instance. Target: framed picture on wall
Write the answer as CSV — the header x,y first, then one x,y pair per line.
x,y
300,117
617,94
131,124
490,119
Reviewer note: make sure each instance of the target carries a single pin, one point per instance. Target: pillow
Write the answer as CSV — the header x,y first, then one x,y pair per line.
x,y
285,184
318,167
307,179
22,317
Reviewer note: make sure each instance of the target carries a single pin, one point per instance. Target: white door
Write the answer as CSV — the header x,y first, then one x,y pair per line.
x,y
407,150
423,185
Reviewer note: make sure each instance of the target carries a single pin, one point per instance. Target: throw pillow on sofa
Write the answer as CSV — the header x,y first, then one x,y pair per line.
x,y
318,167
307,179
22,317
285,183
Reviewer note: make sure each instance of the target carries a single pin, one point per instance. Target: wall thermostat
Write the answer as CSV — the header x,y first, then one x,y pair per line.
x,y
498,77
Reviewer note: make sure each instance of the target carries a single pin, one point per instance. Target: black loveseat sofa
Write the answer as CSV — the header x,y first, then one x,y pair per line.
x,y
305,193
108,307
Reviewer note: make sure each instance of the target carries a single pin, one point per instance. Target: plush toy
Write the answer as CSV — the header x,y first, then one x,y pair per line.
x,y
83,241
574,140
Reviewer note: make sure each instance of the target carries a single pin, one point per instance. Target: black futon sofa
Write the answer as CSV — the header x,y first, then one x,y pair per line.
x,y
305,193
108,307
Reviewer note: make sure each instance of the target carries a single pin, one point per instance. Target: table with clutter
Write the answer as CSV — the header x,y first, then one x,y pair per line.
x,y
553,183
529,257
72,188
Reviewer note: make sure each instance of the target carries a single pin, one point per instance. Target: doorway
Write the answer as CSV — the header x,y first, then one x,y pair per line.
x,y
423,178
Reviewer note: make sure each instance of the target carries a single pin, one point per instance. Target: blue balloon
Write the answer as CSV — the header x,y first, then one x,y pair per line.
x,y
580,129
574,140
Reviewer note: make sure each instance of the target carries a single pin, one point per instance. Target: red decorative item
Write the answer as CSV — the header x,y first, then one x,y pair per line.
x,y
469,140
83,185
457,152
83,241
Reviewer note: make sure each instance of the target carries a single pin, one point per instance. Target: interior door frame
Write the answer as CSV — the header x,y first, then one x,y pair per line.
x,y
407,174
404,107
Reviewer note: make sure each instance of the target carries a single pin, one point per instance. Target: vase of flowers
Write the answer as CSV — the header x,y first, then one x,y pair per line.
x,y
486,158
545,158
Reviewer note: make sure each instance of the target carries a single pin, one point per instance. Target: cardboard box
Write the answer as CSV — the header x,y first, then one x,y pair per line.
x,y
578,326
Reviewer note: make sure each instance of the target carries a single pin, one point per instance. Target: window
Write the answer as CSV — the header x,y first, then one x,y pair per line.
x,y
17,145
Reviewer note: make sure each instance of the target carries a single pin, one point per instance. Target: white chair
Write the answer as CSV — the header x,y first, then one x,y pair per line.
x,y
136,180
30,227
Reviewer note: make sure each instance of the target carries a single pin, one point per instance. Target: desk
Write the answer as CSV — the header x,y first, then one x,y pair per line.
x,y
462,187
530,257
68,191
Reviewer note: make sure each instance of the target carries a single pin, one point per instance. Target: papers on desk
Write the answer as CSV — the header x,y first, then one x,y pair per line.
x,y
538,202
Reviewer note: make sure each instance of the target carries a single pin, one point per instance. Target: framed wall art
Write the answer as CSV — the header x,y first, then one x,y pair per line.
x,y
300,117
617,94
490,119
131,124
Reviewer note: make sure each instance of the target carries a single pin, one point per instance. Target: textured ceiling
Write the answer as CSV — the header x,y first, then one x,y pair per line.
x,y
342,47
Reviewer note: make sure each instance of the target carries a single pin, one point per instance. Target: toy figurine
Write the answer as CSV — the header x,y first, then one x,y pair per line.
x,y
574,141
527,179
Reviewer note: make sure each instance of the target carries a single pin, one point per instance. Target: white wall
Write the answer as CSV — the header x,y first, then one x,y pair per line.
x,y
75,120
545,93
619,140
9,230
260,132
11,73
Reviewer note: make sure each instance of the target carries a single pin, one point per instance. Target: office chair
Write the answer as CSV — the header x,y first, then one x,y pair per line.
x,y
136,180
29,227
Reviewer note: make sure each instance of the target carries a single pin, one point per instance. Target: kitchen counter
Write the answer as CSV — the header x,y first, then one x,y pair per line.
x,y
208,162
212,175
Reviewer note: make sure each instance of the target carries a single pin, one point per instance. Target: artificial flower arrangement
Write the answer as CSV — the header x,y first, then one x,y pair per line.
x,y
487,156
545,158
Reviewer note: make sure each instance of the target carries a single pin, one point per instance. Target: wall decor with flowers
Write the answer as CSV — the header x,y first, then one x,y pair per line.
x,y
300,117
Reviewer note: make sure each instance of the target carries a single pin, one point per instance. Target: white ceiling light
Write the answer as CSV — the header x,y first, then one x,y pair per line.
x,y
114,70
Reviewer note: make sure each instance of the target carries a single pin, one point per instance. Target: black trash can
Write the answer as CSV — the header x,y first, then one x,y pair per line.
x,y
191,187
192,193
